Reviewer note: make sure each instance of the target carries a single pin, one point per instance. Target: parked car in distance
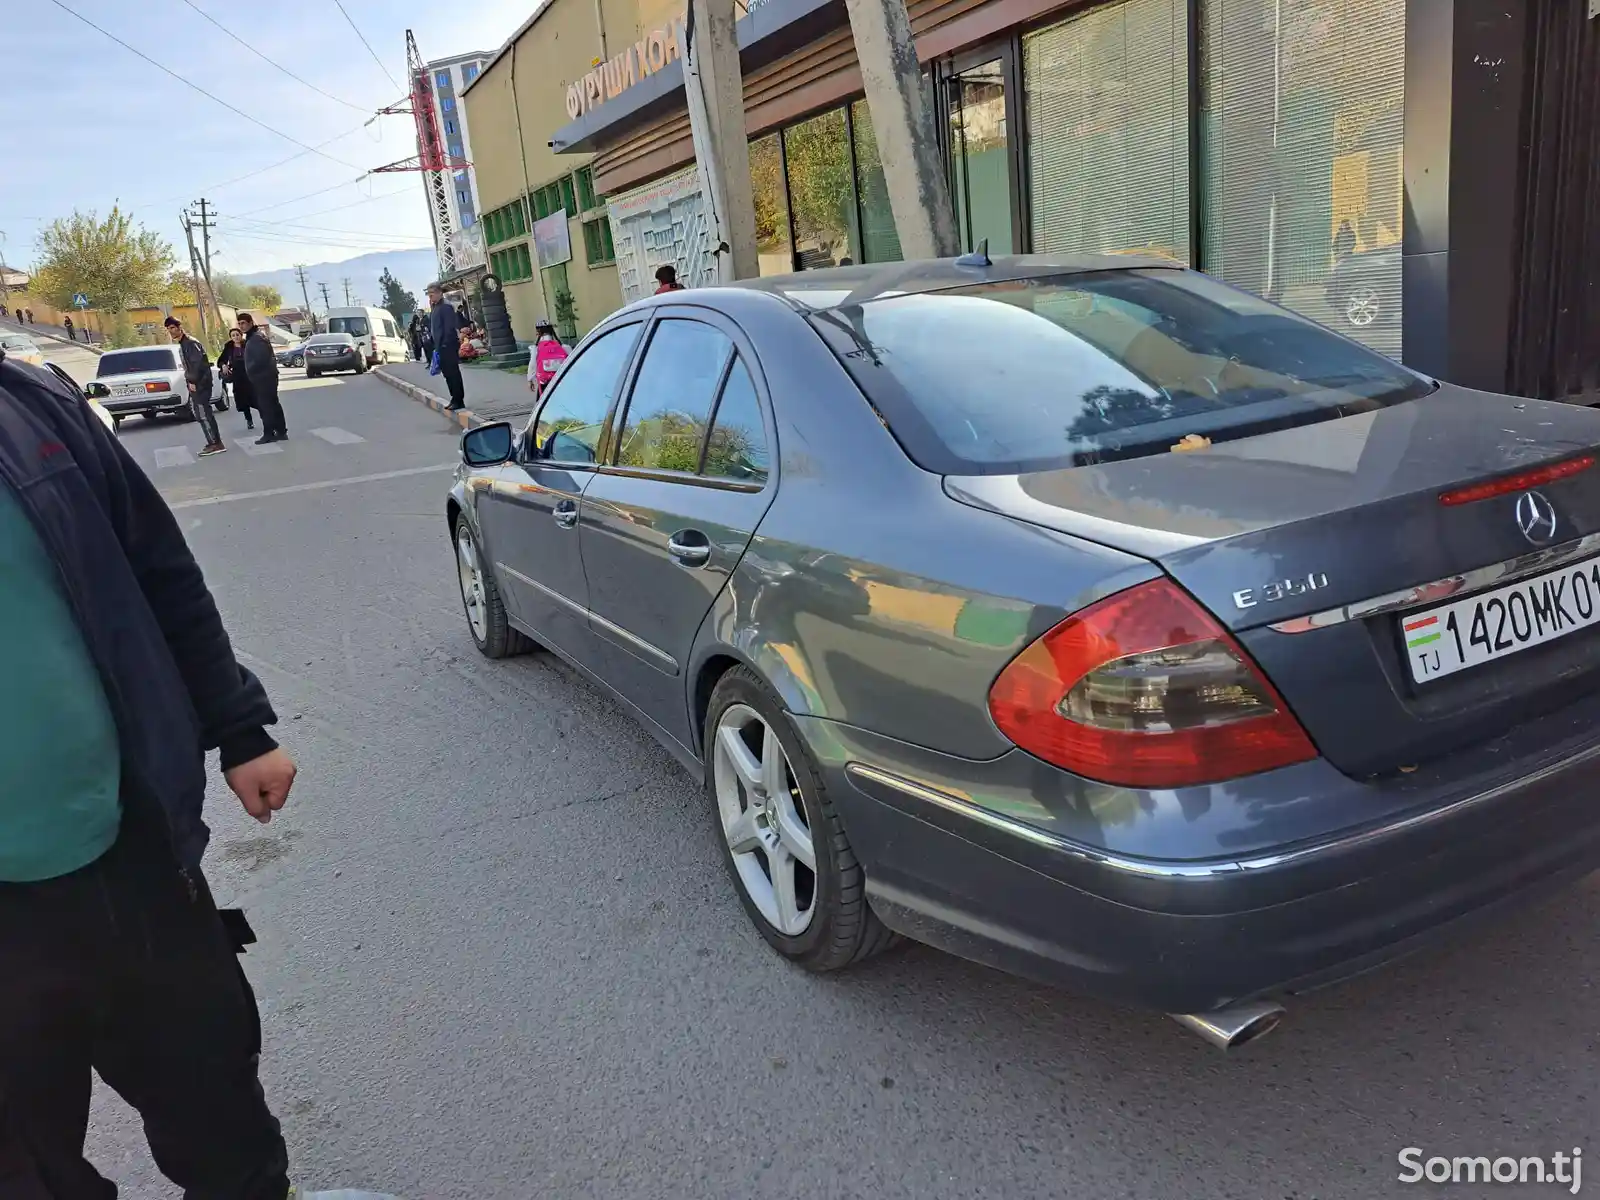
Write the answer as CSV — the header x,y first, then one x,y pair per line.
x,y
19,347
146,381
326,352
374,329
1364,288
292,356
1083,616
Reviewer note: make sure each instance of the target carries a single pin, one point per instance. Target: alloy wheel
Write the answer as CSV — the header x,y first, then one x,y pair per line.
x,y
1362,307
471,582
764,820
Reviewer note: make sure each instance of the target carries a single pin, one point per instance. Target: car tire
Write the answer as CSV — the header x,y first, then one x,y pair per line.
x,y
310,374
839,929
361,367
480,599
116,424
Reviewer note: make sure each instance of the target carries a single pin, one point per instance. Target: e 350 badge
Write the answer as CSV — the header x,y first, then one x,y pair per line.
x,y
1279,589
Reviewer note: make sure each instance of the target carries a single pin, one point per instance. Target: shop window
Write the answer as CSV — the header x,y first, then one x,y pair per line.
x,y
1302,124
774,246
880,241
587,200
1108,130
821,190
597,246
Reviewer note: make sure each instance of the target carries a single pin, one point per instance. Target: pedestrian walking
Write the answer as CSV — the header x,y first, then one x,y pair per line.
x,y
231,363
261,369
444,324
197,374
66,323
414,336
548,355
30,316
113,954
667,279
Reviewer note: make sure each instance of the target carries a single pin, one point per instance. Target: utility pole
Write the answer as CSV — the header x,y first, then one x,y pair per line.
x,y
902,122
715,92
300,274
207,220
347,299
327,304
194,271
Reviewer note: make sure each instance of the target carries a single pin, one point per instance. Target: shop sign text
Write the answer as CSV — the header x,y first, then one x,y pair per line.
x,y
619,73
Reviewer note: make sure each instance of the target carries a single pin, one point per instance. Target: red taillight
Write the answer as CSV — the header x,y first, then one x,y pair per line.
x,y
158,387
1146,689
1516,483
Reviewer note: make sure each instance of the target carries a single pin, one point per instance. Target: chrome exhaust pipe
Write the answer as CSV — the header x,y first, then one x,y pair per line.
x,y
1234,1026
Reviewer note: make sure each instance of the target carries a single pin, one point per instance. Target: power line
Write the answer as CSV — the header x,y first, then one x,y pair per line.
x,y
367,44
319,192
287,226
195,86
271,63
336,208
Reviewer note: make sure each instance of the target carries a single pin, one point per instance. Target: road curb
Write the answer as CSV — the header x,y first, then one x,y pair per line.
x,y
40,331
464,417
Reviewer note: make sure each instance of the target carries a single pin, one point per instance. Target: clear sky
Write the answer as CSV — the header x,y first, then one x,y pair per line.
x,y
85,124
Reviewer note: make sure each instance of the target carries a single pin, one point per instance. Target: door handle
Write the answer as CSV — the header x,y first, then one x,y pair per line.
x,y
566,514
691,548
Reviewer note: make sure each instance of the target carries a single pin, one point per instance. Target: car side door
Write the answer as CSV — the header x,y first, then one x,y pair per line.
x,y
666,521
529,515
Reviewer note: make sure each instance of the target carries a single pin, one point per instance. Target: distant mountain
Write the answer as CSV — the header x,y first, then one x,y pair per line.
x,y
415,269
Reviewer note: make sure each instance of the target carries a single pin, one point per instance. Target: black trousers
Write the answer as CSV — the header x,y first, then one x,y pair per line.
x,y
450,368
243,397
200,405
264,396
125,967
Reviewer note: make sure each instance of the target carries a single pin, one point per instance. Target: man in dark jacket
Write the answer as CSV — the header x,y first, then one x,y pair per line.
x,y
118,678
261,365
197,374
445,325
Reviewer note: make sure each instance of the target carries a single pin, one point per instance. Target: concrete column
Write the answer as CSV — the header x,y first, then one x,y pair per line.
x,y
919,191
714,88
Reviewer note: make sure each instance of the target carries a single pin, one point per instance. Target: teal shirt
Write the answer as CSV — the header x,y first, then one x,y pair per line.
x,y
60,766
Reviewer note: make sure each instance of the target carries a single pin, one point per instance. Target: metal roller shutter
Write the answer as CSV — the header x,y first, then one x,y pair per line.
x,y
1107,115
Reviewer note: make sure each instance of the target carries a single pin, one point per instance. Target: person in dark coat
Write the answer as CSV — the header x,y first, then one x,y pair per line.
x,y
414,336
231,363
445,325
261,368
197,375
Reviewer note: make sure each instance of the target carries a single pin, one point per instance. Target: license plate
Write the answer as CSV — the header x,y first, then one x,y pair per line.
x,y
1491,625
125,389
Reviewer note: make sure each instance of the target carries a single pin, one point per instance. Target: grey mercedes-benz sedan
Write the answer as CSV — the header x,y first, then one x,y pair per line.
x,y
1082,616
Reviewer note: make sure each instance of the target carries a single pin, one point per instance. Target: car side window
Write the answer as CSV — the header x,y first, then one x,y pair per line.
x,y
737,448
568,425
672,395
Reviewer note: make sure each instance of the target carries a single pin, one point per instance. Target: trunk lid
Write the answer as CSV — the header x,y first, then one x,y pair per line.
x,y
1307,521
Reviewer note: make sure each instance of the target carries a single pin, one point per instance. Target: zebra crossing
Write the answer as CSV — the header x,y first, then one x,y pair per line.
x,y
182,456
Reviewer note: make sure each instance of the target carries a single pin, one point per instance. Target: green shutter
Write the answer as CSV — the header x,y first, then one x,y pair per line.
x,y
586,196
568,200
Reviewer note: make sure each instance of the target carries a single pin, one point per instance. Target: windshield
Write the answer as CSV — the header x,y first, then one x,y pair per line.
x,y
16,341
355,326
1020,375
126,362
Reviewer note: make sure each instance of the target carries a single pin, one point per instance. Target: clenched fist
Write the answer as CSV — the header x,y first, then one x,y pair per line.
x,y
263,784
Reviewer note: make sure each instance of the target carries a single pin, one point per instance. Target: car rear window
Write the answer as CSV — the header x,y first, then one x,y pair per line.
x,y
331,339
1064,370
354,326
127,362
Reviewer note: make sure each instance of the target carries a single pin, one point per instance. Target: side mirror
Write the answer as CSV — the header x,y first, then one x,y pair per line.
x,y
486,446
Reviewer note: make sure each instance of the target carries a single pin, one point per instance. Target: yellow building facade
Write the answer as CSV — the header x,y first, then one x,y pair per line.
x,y
512,107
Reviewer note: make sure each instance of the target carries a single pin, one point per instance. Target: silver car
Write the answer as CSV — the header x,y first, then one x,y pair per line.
x,y
1082,616
146,381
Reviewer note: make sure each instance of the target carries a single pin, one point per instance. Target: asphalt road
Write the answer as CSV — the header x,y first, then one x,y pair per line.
x,y
500,957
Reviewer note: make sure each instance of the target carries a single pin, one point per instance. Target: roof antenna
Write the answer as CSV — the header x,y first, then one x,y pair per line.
x,y
976,258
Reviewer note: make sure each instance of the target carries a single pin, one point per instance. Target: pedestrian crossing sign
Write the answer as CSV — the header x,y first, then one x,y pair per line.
x,y
80,300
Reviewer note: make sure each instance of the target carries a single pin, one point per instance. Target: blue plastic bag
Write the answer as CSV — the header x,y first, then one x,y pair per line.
x,y
433,364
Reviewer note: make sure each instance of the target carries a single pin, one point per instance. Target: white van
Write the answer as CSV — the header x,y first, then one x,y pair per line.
x,y
375,331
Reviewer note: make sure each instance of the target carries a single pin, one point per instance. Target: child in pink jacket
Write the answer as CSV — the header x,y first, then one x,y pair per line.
x,y
548,355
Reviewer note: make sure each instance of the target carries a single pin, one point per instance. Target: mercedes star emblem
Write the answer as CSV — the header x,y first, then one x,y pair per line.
x,y
1536,517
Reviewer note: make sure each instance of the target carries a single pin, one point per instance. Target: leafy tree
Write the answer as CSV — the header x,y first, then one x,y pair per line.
x,y
264,299
230,291
396,299
113,262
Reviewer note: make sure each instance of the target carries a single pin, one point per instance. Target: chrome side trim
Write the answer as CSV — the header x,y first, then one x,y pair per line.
x,y
661,656
1211,868
1442,589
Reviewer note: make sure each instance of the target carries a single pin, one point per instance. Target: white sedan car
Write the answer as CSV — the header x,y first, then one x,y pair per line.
x,y
146,381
